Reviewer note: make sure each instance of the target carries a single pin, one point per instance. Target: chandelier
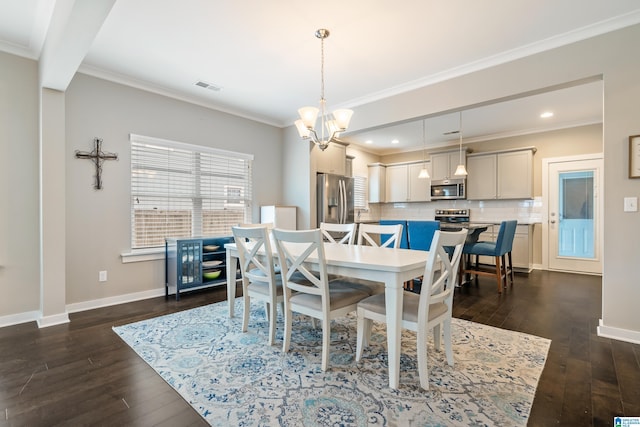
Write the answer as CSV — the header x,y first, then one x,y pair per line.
x,y
308,115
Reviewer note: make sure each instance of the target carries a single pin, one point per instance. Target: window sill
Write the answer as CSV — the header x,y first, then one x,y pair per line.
x,y
141,255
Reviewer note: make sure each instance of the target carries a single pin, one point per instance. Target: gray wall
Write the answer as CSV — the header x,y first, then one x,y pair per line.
x,y
19,186
98,222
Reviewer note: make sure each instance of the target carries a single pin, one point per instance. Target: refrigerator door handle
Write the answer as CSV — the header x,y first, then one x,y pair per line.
x,y
340,207
343,201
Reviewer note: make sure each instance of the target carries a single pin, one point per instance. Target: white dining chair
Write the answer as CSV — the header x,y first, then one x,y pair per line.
x,y
338,233
308,292
430,309
260,280
385,236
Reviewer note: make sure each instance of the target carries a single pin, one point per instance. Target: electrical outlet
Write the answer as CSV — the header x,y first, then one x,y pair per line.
x,y
102,276
631,204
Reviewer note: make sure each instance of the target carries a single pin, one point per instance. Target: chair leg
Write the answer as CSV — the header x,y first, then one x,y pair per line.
x,y
423,368
245,314
510,268
499,274
273,311
447,341
326,342
364,333
437,336
286,339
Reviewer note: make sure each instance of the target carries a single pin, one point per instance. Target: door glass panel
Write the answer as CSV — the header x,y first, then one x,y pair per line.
x,y
576,208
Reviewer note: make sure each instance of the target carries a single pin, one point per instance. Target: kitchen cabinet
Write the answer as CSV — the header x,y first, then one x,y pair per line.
x,y
403,184
377,182
500,175
332,160
444,165
522,249
194,263
481,178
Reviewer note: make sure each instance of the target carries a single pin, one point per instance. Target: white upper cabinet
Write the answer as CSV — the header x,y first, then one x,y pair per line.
x,y
481,178
419,188
504,175
515,175
403,184
377,183
397,186
332,160
444,165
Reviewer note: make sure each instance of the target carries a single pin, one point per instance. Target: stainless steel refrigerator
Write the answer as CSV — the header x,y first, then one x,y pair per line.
x,y
334,199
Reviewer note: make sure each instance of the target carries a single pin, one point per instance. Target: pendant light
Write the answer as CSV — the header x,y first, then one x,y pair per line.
x,y
424,173
461,170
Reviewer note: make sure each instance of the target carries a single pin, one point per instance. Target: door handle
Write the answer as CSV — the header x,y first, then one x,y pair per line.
x,y
553,221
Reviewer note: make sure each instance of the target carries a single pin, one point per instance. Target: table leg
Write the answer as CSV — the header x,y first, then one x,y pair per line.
x,y
231,281
393,298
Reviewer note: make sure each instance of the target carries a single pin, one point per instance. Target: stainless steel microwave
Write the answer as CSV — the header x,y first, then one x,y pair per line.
x,y
448,189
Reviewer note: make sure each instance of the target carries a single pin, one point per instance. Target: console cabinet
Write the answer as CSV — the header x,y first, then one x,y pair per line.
x,y
194,263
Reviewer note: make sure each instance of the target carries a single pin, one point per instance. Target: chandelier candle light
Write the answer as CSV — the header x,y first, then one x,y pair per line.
x,y
460,170
308,115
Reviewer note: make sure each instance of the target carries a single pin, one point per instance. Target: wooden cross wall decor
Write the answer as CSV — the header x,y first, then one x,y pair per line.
x,y
98,157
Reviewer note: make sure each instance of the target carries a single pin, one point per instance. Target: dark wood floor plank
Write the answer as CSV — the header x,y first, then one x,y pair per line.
x,y
82,373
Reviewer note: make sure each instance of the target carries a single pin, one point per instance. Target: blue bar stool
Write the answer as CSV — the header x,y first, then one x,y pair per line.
x,y
499,249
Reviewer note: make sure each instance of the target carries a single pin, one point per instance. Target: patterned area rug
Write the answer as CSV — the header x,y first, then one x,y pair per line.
x,y
236,379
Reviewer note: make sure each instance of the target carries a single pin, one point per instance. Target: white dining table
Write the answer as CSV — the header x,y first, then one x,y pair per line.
x,y
393,267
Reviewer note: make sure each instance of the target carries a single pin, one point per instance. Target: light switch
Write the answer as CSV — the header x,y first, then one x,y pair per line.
x,y
631,204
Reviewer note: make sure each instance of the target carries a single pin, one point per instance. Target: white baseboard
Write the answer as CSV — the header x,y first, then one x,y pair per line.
x,y
56,319
115,300
16,319
618,333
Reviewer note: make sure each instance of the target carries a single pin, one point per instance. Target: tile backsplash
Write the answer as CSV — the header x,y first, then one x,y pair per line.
x,y
525,211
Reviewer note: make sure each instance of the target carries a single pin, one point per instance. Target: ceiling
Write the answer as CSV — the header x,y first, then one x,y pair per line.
x,y
265,59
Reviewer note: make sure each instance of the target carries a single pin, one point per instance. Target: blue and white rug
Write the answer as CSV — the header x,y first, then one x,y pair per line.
x,y
237,379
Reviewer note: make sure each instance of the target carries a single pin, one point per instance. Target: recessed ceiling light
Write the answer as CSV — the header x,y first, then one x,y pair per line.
x,y
546,115
368,141
395,141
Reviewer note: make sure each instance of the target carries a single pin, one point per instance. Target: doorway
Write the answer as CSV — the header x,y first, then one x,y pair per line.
x,y
572,221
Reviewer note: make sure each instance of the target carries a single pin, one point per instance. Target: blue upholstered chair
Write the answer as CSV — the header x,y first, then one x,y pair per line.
x,y
500,249
420,234
404,242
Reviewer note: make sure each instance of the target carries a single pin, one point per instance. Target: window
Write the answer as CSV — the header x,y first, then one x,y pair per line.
x,y
183,190
360,192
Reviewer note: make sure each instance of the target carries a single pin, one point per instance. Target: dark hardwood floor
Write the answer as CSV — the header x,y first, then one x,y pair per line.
x,y
81,373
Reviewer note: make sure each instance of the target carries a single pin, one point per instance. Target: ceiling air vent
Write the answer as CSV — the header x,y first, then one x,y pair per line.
x,y
208,86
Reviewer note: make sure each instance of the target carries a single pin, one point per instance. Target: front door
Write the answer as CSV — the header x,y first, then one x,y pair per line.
x,y
575,216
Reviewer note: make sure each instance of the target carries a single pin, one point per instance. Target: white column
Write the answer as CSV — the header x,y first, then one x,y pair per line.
x,y
52,209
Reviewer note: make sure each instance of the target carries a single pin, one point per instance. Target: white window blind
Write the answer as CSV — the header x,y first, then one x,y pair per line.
x,y
360,192
183,190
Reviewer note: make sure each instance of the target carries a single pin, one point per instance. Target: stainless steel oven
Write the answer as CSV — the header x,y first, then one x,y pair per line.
x,y
452,219
448,190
